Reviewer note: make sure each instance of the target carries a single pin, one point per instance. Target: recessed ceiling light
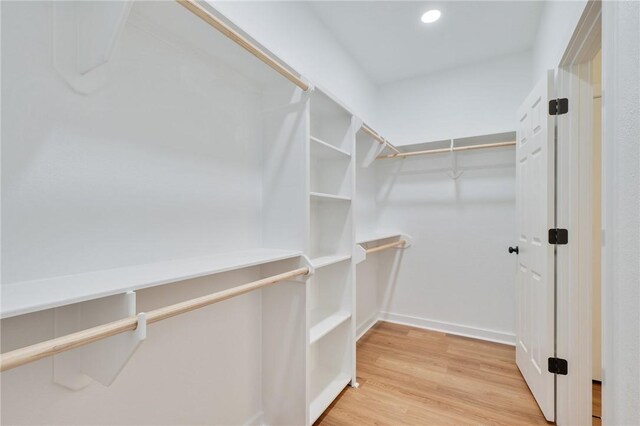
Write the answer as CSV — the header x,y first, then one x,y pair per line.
x,y
431,16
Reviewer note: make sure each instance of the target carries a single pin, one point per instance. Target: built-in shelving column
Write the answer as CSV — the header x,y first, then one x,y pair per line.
x,y
331,362
285,213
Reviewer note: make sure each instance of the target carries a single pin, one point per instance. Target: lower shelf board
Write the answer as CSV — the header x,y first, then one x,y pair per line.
x,y
324,322
325,387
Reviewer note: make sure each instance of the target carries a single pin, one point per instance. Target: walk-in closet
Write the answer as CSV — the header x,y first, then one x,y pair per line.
x,y
319,212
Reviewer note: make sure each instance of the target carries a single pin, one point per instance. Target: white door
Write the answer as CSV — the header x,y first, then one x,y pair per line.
x,y
535,311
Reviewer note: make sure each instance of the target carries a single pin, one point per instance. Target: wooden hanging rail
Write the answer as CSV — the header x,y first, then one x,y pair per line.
x,y
368,130
441,150
55,346
400,243
392,148
382,141
195,8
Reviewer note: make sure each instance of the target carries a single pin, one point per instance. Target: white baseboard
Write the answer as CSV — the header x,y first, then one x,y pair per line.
x,y
445,327
366,325
256,420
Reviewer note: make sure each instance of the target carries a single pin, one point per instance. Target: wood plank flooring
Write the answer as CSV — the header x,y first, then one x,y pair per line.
x,y
596,394
410,376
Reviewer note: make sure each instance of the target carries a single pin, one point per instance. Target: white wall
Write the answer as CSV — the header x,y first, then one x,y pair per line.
x,y
292,31
164,162
199,368
557,23
365,214
621,216
468,101
457,276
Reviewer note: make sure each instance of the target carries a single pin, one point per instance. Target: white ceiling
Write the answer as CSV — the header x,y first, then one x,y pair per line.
x,y
390,42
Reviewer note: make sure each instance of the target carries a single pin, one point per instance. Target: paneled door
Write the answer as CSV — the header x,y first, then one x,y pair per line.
x,y
535,294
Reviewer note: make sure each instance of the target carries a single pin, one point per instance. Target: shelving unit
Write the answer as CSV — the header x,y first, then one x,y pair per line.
x,y
331,229
330,298
331,368
323,322
327,386
331,302
330,170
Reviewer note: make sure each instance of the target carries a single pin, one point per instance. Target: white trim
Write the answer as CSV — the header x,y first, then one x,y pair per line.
x,y
574,260
445,327
366,325
255,420
621,205
574,207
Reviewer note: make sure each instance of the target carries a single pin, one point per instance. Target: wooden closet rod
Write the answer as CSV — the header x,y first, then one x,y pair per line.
x,y
368,130
440,150
386,246
379,138
51,347
237,38
393,148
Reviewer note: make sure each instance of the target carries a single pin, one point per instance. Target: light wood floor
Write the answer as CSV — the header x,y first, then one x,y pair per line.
x,y
410,376
596,393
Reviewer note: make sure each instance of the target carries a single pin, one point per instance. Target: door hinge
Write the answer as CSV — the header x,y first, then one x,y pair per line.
x,y
558,236
558,106
558,366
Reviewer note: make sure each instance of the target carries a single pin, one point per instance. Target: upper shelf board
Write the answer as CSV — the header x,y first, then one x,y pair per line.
x,y
320,196
460,142
370,238
319,262
172,23
326,151
325,104
30,296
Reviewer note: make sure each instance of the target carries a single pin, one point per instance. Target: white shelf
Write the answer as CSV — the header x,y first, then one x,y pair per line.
x,y
323,322
322,196
325,387
30,296
323,150
370,238
319,262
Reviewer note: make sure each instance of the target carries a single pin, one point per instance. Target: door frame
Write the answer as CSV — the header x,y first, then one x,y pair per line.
x,y
574,205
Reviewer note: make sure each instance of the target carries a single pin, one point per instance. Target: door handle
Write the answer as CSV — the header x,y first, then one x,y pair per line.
x,y
514,250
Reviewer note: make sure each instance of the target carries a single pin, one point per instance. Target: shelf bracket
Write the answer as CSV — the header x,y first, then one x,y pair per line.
x,y
305,261
103,360
375,149
311,88
359,254
85,35
455,173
